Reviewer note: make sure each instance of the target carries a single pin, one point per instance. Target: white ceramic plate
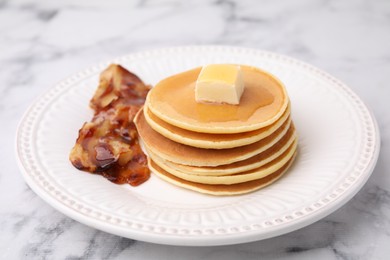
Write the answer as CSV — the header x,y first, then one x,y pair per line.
x,y
338,149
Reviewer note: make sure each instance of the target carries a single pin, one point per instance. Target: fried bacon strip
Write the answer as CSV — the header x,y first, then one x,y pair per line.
x,y
108,145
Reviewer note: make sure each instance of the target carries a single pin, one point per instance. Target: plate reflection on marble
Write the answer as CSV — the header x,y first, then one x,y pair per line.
x,y
338,149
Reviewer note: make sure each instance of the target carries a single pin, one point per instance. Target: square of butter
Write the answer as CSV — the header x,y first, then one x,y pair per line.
x,y
219,83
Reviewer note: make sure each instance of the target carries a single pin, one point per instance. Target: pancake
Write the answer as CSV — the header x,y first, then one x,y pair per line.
x,y
184,154
211,141
263,102
251,163
220,189
246,176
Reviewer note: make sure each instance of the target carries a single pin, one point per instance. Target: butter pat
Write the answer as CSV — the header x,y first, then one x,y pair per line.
x,y
219,83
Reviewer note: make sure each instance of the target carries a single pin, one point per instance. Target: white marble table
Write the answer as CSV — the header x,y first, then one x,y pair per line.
x,y
43,41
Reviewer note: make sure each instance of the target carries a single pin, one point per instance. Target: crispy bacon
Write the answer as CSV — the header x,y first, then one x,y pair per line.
x,y
108,145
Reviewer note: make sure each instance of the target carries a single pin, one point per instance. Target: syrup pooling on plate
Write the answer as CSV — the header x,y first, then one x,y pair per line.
x,y
108,145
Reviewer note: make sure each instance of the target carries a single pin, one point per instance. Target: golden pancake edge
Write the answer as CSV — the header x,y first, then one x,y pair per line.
x,y
221,190
211,141
194,156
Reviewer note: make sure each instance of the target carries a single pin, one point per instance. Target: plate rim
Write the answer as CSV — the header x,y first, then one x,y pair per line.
x,y
197,240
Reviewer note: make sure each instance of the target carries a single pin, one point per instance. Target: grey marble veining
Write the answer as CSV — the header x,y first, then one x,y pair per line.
x,y
44,41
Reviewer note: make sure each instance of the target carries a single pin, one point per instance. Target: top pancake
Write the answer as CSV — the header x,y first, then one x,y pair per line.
x,y
263,102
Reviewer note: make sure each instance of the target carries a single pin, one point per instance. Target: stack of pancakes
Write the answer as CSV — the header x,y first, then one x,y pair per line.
x,y
218,149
